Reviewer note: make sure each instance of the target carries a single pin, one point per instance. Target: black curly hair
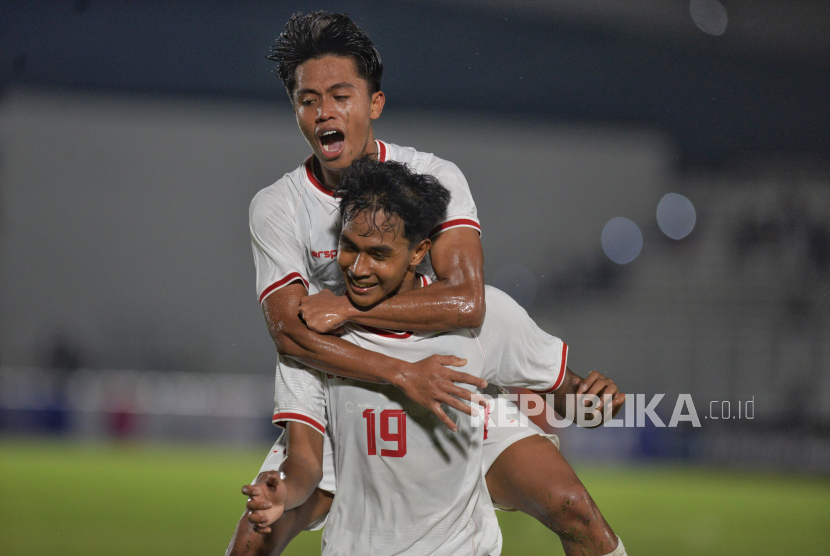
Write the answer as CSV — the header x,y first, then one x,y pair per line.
x,y
392,189
318,34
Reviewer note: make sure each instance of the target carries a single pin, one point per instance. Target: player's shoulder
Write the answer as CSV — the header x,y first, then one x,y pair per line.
x,y
280,195
423,162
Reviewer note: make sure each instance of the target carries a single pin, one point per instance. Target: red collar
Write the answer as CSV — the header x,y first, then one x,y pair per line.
x,y
309,170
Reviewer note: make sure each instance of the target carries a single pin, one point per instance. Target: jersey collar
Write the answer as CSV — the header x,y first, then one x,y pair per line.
x,y
318,186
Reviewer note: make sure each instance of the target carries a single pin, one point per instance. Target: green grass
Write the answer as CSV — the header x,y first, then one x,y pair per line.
x,y
60,498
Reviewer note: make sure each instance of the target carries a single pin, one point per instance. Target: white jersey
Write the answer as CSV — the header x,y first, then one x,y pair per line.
x,y
405,483
295,223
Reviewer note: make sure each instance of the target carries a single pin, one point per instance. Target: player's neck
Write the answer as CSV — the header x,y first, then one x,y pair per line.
x,y
330,177
411,281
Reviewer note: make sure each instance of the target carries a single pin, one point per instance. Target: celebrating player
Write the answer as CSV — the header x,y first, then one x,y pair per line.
x,y
332,73
407,485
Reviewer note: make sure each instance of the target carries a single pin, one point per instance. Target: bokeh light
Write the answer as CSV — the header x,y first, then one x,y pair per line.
x,y
518,282
709,16
622,240
676,215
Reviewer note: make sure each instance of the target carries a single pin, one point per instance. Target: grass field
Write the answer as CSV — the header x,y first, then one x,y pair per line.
x,y
59,498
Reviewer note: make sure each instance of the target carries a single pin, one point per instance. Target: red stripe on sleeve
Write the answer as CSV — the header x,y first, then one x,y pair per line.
x,y
291,277
454,223
278,417
562,366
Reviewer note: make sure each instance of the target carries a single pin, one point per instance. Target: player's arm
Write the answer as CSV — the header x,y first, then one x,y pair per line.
x,y
428,382
299,475
595,383
455,300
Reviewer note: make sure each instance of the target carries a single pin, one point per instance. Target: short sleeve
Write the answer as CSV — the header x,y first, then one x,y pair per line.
x,y
461,212
299,395
517,352
278,253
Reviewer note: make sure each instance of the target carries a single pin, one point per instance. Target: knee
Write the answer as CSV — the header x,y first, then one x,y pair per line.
x,y
570,510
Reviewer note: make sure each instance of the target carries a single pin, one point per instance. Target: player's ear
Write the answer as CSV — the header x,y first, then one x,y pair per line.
x,y
420,252
378,100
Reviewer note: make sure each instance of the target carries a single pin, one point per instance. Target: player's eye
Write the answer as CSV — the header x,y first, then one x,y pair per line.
x,y
341,97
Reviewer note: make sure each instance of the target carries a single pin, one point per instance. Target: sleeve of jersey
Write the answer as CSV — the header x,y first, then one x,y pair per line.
x,y
517,352
461,212
299,395
278,254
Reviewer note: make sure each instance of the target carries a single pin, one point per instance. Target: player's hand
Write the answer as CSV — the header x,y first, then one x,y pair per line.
x,y
599,385
429,382
266,501
324,312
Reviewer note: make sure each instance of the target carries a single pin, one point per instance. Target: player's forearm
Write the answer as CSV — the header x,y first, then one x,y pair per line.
x,y
332,355
560,396
434,308
301,478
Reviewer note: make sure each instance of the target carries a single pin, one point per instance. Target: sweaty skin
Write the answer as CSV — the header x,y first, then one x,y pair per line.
x,y
329,92
446,304
330,95
376,266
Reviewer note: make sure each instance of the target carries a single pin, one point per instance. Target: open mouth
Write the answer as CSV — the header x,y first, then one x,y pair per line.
x,y
332,142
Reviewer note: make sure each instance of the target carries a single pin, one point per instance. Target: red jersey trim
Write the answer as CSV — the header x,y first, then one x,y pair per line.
x,y
290,277
309,172
386,333
299,417
455,223
563,365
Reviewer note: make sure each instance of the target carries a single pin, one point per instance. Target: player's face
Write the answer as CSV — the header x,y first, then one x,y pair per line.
x,y
334,110
377,263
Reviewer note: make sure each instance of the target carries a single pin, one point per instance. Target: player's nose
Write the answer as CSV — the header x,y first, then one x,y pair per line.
x,y
325,110
360,268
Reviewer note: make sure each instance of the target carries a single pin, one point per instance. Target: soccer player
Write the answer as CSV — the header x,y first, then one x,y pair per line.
x,y
407,485
332,74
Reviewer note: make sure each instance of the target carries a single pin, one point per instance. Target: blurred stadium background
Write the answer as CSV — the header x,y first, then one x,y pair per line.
x,y
653,181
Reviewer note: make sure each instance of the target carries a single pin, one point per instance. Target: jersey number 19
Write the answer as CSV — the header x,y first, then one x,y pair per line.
x,y
400,436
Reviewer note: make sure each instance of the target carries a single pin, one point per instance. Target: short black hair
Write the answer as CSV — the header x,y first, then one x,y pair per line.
x,y
392,189
318,34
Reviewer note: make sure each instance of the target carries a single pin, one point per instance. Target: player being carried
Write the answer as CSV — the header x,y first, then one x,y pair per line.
x,y
332,72
406,484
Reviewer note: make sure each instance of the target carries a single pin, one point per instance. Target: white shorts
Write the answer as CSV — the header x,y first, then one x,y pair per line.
x,y
501,431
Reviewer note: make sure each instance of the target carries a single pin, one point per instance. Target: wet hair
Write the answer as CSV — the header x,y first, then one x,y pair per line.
x,y
318,34
391,189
